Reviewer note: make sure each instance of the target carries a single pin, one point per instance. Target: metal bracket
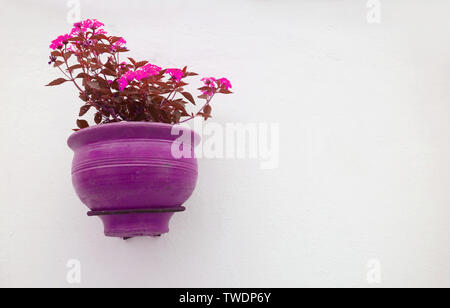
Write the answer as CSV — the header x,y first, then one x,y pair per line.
x,y
138,211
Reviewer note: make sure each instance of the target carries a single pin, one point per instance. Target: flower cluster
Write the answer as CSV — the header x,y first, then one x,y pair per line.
x,y
146,71
60,41
213,85
125,90
83,26
119,44
175,73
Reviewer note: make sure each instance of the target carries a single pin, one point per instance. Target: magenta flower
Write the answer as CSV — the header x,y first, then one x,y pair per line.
x,y
101,31
211,83
120,43
84,25
126,79
60,41
129,76
94,24
123,83
225,83
77,28
147,71
175,73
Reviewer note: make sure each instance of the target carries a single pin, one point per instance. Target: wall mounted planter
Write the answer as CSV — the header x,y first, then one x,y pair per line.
x,y
125,173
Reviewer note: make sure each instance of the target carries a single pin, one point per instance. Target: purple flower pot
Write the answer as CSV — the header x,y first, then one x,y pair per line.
x,y
126,174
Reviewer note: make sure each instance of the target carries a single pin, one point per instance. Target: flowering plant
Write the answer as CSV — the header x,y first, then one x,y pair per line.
x,y
125,90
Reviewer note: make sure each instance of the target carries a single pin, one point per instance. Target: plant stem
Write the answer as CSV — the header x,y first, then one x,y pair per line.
x,y
201,109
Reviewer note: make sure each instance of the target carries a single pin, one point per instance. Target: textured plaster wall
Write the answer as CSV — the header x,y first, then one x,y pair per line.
x,y
364,174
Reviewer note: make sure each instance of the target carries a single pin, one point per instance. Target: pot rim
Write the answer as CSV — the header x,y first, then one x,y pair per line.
x,y
76,138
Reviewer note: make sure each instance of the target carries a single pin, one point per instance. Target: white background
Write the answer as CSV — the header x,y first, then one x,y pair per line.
x,y
364,168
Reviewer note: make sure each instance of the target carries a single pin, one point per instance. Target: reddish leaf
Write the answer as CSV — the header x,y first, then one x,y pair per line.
x,y
93,84
74,67
98,37
98,118
140,64
114,39
225,91
189,97
58,63
82,124
57,82
109,72
84,97
84,109
67,55
56,53
207,109
82,75
176,116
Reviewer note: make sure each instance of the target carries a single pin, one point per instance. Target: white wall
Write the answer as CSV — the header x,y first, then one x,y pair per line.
x,y
364,167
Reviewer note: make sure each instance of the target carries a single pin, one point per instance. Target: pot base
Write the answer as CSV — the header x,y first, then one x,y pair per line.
x,y
133,223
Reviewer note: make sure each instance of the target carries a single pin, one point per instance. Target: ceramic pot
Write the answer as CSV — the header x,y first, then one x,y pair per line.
x,y
131,175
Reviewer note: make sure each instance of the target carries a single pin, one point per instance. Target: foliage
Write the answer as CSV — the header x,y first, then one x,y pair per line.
x,y
127,90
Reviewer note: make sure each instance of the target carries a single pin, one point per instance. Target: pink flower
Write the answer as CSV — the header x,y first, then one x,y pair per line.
x,y
147,71
77,28
129,76
122,83
224,83
84,25
142,73
126,79
95,24
120,43
175,73
211,83
60,41
101,31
